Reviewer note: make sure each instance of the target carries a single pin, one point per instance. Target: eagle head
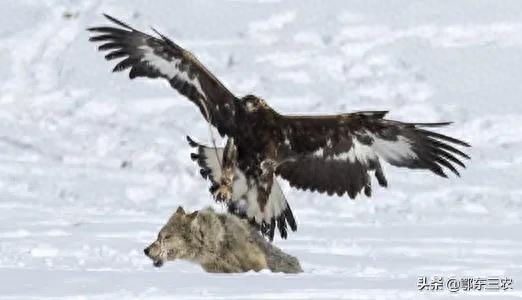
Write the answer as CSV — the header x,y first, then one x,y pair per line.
x,y
254,104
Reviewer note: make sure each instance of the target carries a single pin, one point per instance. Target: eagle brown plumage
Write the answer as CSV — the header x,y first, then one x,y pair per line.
x,y
334,154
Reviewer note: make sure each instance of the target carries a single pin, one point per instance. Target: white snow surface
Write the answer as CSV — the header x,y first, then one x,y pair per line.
x,y
92,164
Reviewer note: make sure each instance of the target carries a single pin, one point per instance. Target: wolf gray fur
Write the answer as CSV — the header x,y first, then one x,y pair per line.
x,y
219,242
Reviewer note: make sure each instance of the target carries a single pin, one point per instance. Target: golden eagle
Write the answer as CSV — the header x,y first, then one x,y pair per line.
x,y
333,154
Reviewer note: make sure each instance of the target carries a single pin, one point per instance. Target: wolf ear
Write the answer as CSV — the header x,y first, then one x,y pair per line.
x,y
180,210
193,215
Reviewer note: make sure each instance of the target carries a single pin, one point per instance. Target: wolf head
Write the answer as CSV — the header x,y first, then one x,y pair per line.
x,y
173,239
186,236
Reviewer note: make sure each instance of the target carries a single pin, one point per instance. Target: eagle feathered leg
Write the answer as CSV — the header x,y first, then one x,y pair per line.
x,y
266,181
223,193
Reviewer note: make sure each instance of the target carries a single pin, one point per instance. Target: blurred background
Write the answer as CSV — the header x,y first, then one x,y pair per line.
x,y
92,164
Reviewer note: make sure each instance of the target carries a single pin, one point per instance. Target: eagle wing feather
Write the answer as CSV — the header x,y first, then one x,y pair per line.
x,y
160,57
336,154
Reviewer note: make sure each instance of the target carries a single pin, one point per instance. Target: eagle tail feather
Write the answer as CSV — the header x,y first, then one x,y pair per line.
x,y
289,216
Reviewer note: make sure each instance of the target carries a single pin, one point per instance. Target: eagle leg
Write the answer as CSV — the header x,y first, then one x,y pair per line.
x,y
223,193
266,181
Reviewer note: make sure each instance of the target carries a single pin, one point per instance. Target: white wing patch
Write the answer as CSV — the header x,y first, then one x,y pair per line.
x,y
169,68
360,152
319,152
393,151
390,151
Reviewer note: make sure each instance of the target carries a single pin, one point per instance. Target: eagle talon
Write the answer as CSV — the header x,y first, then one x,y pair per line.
x,y
223,193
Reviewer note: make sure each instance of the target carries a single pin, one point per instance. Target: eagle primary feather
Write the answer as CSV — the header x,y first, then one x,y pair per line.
x,y
153,57
333,154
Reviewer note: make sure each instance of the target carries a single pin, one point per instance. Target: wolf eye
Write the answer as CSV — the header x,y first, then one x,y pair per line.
x,y
167,236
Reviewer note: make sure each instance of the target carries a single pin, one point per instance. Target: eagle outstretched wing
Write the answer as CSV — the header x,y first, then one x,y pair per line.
x,y
335,154
153,57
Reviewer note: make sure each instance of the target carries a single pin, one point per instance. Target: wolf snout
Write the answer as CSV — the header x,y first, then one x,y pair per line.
x,y
151,253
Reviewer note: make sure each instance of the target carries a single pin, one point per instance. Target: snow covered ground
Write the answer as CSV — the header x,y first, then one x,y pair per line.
x,y
92,164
